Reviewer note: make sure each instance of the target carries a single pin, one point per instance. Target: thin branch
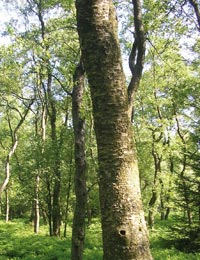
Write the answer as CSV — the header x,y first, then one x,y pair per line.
x,y
137,55
62,85
194,4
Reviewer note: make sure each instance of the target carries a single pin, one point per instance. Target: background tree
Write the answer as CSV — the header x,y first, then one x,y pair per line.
x,y
78,231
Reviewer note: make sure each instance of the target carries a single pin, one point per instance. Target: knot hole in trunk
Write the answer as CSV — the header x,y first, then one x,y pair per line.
x,y
122,232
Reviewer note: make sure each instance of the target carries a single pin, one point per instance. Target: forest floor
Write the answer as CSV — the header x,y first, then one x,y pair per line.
x,y
17,241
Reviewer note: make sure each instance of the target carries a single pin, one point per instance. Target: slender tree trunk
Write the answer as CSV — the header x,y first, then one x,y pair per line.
x,y
123,224
67,207
151,208
187,200
78,232
52,112
49,204
50,103
162,200
157,170
13,148
184,185
56,204
68,194
41,134
36,206
7,204
168,196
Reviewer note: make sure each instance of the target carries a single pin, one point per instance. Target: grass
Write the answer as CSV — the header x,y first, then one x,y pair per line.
x,y
17,241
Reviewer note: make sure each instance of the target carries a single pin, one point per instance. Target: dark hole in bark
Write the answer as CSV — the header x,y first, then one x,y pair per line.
x,y
122,232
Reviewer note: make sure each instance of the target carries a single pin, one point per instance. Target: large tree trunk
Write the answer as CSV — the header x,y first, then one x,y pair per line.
x,y
78,232
123,224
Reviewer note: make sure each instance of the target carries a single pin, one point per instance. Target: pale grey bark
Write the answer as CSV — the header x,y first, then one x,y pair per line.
x,y
123,224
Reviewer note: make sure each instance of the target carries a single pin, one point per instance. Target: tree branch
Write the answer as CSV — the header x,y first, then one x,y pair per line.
x,y
137,55
194,4
62,86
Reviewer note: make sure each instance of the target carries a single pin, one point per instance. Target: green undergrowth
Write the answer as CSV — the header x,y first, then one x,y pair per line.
x,y
17,241
168,245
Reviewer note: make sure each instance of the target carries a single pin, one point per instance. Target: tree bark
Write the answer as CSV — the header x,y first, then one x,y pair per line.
x,y
49,204
69,186
78,231
168,196
123,224
52,112
7,204
36,206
